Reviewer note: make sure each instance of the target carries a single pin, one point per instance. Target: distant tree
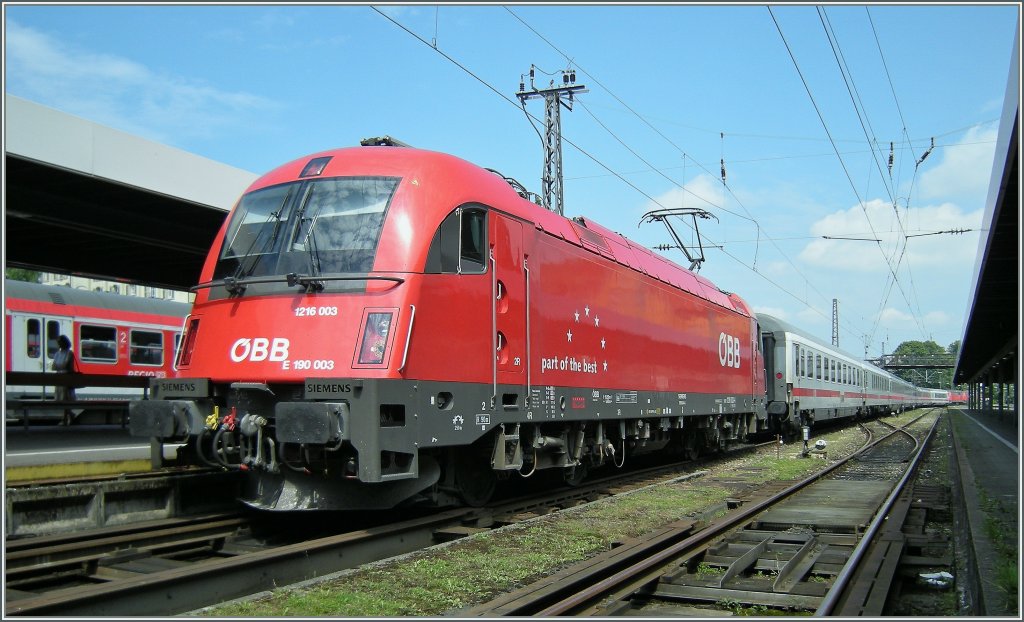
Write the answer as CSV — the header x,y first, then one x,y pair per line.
x,y
919,348
20,274
954,348
929,378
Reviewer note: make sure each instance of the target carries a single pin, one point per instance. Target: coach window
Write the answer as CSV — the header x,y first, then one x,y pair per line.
x,y
817,366
32,339
459,243
52,332
828,374
796,359
97,344
147,348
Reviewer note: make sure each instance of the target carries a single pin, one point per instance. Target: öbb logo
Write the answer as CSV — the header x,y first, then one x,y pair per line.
x,y
260,349
728,351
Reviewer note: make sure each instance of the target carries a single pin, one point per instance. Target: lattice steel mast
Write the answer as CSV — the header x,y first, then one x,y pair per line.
x,y
551,180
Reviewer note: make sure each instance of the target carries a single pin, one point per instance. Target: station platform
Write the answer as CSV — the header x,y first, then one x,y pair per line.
x,y
987,449
40,452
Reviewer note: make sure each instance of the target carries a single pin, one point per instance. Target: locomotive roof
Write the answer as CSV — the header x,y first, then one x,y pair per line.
x,y
86,298
469,182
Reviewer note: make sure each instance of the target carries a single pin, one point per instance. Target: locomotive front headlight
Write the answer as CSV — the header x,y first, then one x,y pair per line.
x,y
375,338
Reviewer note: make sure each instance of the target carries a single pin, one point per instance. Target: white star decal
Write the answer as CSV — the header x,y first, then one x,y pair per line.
x,y
597,321
602,343
569,334
577,316
587,309
606,365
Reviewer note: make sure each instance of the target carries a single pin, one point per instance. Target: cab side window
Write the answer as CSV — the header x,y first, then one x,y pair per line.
x,y
459,244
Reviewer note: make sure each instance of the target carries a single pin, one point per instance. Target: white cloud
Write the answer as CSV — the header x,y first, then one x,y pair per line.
x,y
702,192
775,312
812,318
775,268
894,318
396,11
936,319
118,91
878,220
963,170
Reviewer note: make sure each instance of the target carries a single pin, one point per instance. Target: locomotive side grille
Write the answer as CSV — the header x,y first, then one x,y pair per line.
x,y
56,298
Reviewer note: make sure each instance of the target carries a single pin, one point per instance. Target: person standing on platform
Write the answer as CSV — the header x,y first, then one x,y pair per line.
x,y
64,363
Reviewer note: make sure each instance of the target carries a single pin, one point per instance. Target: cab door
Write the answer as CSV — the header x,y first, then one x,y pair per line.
x,y
508,308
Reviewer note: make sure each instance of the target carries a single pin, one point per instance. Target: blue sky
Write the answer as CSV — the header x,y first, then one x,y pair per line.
x,y
673,91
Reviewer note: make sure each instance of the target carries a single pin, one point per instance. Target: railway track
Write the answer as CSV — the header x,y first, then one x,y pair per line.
x,y
172,566
800,547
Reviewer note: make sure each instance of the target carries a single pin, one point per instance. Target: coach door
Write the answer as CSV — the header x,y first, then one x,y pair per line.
x,y
34,341
33,344
509,311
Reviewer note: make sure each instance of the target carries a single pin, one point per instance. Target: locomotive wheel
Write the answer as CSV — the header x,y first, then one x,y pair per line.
x,y
692,448
574,476
475,480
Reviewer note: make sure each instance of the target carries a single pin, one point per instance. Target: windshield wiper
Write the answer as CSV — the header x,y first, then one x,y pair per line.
x,y
235,285
267,245
311,245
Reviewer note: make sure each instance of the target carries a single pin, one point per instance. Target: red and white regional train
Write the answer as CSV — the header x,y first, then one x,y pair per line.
x,y
111,334
382,325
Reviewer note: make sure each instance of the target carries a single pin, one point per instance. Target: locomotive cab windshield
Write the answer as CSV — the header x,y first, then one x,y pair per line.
x,y
311,227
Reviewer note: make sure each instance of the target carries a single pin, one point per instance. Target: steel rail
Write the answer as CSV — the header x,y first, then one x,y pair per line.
x,y
578,593
179,590
582,594
833,596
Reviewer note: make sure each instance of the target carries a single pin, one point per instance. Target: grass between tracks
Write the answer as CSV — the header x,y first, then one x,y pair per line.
x,y
476,569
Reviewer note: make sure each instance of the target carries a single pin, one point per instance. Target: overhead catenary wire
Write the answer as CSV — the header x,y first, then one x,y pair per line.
x,y
865,124
842,164
678,148
773,158
609,169
598,162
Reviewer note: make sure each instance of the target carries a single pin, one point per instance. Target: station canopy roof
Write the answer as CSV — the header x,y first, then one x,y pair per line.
x,y
82,198
991,336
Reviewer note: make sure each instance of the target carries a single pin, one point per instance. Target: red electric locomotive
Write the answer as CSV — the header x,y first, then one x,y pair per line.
x,y
958,397
385,325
